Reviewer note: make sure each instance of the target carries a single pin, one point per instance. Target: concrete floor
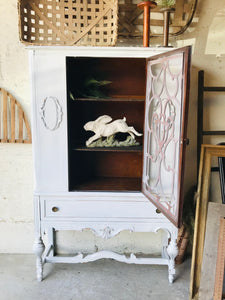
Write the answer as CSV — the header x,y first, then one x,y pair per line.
x,y
100,280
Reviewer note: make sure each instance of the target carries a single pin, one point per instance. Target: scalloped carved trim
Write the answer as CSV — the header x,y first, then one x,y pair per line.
x,y
105,233
109,232
50,121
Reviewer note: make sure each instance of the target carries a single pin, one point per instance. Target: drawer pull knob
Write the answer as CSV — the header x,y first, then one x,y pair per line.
x,y
158,211
55,209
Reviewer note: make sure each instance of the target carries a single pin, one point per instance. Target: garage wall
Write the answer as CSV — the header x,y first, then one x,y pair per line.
x,y
206,35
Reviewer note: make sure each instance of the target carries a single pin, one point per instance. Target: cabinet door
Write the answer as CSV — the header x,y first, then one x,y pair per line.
x,y
165,131
49,121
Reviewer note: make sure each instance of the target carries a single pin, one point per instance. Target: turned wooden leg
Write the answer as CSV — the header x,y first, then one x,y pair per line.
x,y
166,23
172,251
146,6
38,250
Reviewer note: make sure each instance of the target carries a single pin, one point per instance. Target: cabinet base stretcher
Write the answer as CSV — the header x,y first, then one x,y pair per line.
x,y
46,255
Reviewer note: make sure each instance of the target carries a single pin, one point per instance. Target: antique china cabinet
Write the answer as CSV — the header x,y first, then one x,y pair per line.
x,y
108,190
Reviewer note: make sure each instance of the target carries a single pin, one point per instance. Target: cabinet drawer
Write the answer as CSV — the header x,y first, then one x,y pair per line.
x,y
60,208
97,209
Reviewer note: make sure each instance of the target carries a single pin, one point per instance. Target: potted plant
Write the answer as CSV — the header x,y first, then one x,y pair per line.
x,y
165,3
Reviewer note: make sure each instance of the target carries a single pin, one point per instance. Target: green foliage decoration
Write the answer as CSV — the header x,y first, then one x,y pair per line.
x,y
91,88
165,3
112,142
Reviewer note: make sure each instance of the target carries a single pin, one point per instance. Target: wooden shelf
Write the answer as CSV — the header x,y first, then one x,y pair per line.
x,y
108,184
110,149
113,99
105,168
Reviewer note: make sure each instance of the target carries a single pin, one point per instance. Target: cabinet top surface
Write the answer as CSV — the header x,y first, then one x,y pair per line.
x,y
99,51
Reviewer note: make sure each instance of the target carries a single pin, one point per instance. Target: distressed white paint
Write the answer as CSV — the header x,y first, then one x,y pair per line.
x,y
104,213
16,180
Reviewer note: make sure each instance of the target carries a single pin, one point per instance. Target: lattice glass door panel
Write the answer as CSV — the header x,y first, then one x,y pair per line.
x,y
165,130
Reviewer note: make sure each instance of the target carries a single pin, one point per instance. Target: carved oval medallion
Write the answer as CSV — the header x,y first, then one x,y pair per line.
x,y
51,113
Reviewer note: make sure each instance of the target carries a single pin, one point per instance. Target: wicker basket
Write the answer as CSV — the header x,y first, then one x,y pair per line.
x,y
68,22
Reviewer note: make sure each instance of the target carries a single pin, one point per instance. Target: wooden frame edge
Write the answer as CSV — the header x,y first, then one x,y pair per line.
x,y
207,152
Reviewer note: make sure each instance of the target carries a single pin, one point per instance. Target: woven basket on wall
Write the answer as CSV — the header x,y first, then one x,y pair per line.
x,y
68,22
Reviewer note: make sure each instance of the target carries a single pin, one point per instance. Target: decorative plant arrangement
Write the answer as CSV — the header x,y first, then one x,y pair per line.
x,y
111,141
92,88
165,3
104,128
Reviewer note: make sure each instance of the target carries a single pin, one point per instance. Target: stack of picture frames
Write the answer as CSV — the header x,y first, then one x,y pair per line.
x,y
208,257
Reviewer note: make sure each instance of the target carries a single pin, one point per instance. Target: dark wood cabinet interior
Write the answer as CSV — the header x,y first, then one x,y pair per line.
x,y
104,86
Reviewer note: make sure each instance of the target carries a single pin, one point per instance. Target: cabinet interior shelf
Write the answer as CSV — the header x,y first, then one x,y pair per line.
x,y
108,184
110,149
113,99
105,168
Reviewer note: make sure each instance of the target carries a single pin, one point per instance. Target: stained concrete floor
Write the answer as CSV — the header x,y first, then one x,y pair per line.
x,y
100,280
